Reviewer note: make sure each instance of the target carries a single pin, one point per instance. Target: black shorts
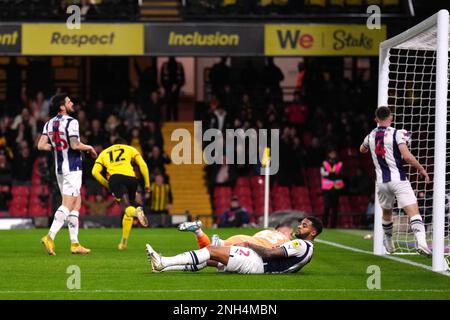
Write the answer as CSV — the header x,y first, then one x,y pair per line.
x,y
120,185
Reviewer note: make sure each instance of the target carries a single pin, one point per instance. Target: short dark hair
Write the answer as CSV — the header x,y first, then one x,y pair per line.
x,y
382,113
56,102
283,224
120,140
316,223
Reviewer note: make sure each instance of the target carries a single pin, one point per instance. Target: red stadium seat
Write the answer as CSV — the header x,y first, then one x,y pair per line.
x,y
114,210
37,210
242,191
18,210
243,182
20,190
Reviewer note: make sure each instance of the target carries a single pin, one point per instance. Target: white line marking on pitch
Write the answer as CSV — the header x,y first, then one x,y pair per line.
x,y
223,290
406,261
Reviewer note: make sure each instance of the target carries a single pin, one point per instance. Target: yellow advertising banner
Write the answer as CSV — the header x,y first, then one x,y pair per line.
x,y
322,39
90,39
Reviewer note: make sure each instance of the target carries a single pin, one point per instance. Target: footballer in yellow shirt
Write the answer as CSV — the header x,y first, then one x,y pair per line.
x,y
121,180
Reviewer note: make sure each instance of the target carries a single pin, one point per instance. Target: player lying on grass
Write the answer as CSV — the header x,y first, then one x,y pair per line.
x,y
121,180
247,257
269,238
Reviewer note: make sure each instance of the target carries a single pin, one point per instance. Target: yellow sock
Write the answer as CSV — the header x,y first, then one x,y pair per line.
x,y
127,222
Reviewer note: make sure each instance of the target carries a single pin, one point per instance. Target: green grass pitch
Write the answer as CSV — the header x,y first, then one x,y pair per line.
x,y
27,272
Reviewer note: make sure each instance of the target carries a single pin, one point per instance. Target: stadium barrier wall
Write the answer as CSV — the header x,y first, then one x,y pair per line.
x,y
190,39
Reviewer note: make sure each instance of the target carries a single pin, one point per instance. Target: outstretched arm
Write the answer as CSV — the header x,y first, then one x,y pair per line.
x,y
77,145
264,252
43,144
144,171
410,159
97,174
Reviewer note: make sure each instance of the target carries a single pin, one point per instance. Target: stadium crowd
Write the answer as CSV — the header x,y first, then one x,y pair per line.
x,y
324,113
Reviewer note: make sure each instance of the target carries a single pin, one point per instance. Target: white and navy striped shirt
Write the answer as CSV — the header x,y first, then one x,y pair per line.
x,y
59,131
298,254
383,143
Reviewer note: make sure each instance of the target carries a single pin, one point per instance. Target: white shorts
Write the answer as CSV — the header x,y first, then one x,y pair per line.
x,y
387,192
70,183
244,260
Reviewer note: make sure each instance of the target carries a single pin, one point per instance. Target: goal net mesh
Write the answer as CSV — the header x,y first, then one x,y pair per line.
x,y
411,96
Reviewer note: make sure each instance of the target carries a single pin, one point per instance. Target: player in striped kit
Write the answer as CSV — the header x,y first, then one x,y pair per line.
x,y
389,149
61,134
247,257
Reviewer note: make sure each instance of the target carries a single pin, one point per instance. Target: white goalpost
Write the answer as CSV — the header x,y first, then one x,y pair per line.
x,y
414,82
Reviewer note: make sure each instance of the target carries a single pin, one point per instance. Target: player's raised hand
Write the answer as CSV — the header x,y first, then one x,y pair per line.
x,y
92,152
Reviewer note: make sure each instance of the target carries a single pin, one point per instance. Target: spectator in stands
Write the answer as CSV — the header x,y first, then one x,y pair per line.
x,y
5,170
135,140
161,198
148,81
24,127
114,127
131,115
298,162
332,184
99,206
23,165
83,121
6,136
5,197
156,162
222,174
284,174
98,111
272,77
152,111
220,77
219,119
151,136
40,107
236,216
297,111
97,136
245,108
172,80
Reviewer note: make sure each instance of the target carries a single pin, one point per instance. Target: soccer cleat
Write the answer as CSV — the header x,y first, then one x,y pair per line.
x,y
77,248
389,244
139,213
190,226
122,246
49,245
216,241
154,258
423,250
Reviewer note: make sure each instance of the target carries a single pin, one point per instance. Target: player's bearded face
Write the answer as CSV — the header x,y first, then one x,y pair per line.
x,y
303,230
69,106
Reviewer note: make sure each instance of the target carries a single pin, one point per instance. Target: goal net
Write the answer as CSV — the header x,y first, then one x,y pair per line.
x,y
414,73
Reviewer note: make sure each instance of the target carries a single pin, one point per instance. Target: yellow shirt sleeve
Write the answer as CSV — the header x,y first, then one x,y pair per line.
x,y
143,168
97,171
